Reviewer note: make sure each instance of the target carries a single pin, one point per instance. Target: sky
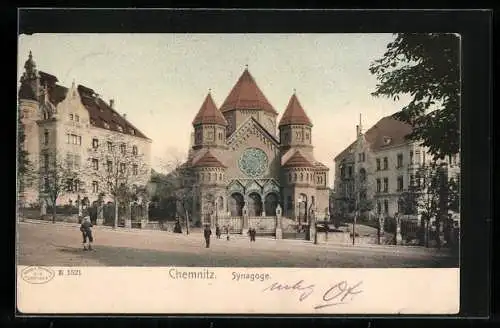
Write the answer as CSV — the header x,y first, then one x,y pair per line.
x,y
161,80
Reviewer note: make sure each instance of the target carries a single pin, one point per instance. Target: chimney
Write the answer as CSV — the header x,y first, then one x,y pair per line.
x,y
112,103
357,131
124,115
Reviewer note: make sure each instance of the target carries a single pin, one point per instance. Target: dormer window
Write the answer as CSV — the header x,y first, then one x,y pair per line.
x,y
132,132
119,127
387,140
106,125
71,117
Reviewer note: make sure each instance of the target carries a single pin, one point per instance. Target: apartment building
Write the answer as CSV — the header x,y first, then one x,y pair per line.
x,y
74,126
381,164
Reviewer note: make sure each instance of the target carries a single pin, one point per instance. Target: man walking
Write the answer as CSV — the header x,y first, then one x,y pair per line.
x,y
207,232
86,230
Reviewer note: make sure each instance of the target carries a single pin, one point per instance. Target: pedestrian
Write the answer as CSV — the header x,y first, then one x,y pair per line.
x,y
207,232
227,232
86,230
254,232
217,231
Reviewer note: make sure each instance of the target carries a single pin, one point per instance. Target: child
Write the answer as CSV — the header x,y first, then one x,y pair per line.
x,y
217,231
86,230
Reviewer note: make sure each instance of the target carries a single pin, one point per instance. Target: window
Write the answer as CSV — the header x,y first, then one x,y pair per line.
x,y
119,127
95,143
122,168
289,203
106,124
109,166
411,157
134,150
379,185
400,161
134,169
386,184
412,180
95,187
220,176
417,180
301,176
72,185
71,117
423,157
342,172
110,146
350,171
289,177
386,206
46,161
123,148
379,207
95,164
378,164
295,177
77,118
400,183
132,132
46,137
285,136
386,163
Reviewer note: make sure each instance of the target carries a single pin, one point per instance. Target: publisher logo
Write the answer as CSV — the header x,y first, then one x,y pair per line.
x,y
37,275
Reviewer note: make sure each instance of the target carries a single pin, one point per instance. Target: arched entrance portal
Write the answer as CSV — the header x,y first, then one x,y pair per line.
x,y
236,204
254,204
270,204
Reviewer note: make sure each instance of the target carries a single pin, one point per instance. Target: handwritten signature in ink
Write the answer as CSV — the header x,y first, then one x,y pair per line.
x,y
337,293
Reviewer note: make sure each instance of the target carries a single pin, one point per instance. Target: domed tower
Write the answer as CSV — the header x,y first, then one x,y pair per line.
x,y
29,113
295,128
210,196
209,126
299,188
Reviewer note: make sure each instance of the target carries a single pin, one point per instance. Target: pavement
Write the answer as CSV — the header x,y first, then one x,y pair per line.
x,y
47,243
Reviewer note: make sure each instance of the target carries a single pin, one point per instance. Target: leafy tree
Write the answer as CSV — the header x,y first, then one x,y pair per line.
x,y
426,67
58,176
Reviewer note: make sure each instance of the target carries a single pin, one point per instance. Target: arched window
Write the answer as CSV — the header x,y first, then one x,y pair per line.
x,y
295,177
220,176
289,177
301,176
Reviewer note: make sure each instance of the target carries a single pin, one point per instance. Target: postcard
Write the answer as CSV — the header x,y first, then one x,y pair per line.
x,y
179,173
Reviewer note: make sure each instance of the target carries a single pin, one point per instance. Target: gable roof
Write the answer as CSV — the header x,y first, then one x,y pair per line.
x,y
101,113
294,113
209,114
298,160
247,95
252,119
208,160
386,129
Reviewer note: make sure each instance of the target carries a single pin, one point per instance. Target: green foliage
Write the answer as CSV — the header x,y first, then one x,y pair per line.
x,y
425,66
23,164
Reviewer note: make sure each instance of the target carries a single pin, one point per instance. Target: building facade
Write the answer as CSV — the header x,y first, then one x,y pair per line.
x,y
74,126
245,161
380,165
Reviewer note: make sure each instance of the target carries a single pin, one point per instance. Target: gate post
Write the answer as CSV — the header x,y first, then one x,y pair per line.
x,y
279,229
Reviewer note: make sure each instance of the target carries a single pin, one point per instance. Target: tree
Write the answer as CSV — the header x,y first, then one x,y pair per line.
x,y
117,168
179,184
58,176
426,67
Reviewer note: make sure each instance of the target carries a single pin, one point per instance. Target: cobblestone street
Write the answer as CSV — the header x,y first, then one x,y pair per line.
x,y
47,244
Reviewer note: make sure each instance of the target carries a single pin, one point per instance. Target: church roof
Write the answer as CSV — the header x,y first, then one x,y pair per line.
x,y
208,160
209,114
246,94
298,160
294,113
320,166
